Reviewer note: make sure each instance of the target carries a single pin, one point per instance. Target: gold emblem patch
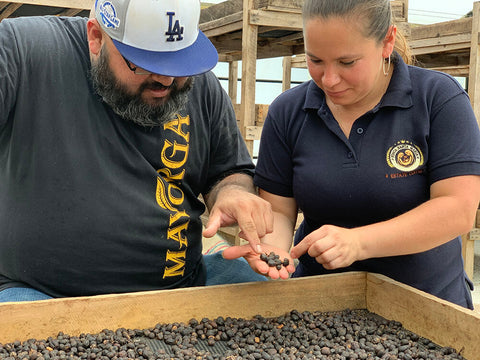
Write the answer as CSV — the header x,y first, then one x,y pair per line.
x,y
404,156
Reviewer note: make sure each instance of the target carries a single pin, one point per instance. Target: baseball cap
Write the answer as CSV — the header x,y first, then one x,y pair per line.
x,y
160,36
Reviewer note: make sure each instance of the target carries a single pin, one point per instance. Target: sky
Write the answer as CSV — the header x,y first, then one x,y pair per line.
x,y
420,12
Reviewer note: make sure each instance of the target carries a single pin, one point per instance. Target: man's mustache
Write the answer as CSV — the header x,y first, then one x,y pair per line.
x,y
159,86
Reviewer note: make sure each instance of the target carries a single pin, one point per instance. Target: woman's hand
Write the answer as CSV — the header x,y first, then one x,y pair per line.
x,y
332,246
259,265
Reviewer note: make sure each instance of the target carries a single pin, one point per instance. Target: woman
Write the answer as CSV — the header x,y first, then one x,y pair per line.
x,y
381,157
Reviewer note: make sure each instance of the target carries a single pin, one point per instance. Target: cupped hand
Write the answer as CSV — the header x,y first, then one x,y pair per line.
x,y
253,215
332,246
259,265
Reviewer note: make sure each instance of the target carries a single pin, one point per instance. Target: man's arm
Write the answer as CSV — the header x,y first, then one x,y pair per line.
x,y
234,200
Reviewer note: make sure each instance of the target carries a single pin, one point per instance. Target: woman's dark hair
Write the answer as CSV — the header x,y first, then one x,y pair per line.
x,y
375,14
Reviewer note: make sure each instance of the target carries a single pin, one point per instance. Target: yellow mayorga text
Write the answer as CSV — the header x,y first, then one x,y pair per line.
x,y
170,195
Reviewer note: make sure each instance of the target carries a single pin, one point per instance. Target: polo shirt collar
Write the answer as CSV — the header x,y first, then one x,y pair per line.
x,y
399,91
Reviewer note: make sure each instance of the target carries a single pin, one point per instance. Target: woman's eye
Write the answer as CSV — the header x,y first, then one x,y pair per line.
x,y
348,63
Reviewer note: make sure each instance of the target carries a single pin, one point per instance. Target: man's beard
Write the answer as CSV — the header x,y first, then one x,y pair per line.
x,y
131,106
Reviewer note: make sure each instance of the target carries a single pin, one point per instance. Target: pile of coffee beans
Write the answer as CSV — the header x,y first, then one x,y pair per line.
x,y
273,260
345,335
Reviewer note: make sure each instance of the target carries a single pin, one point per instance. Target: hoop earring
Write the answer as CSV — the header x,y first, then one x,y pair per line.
x,y
387,70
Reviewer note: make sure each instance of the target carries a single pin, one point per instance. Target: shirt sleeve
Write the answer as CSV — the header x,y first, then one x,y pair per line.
x,y
228,151
454,143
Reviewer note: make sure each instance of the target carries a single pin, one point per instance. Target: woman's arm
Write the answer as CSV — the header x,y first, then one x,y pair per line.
x,y
449,212
285,212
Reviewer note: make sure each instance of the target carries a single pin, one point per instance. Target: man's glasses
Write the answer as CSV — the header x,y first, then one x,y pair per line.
x,y
135,69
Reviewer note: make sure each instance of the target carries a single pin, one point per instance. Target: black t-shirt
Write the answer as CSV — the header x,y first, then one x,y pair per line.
x,y
91,203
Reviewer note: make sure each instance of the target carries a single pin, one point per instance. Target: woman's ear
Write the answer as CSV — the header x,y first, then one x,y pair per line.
x,y
95,36
389,41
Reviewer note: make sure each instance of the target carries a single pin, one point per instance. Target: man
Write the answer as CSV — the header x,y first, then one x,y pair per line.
x,y
110,129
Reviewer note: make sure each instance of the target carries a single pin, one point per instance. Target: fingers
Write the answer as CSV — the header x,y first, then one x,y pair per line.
x,y
212,227
254,243
331,246
303,246
235,252
254,227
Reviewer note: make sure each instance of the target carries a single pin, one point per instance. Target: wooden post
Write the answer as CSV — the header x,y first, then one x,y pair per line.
x,y
405,10
468,254
287,73
249,67
232,80
473,85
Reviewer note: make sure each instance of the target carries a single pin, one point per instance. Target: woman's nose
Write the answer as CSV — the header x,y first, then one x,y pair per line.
x,y
330,77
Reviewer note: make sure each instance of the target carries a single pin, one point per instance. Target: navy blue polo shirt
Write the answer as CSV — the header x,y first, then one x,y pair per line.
x,y
423,130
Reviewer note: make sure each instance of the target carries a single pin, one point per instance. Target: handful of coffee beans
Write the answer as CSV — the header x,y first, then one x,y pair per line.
x,y
273,260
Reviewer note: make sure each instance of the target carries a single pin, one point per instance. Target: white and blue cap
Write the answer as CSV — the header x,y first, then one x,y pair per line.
x,y
160,36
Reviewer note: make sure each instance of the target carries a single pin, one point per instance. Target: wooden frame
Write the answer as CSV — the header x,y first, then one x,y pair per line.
x,y
442,322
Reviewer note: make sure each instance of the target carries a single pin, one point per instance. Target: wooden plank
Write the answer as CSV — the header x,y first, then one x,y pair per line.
x,y
70,12
474,234
460,70
291,5
441,44
9,10
440,321
260,112
249,67
287,73
221,22
468,254
233,80
289,21
299,61
73,4
473,84
446,28
73,316
399,10
253,133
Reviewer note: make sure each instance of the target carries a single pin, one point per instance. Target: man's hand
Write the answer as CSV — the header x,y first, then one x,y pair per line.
x,y
234,202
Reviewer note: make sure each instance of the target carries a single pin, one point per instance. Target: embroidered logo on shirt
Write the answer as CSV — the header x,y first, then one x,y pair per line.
x,y
109,15
404,156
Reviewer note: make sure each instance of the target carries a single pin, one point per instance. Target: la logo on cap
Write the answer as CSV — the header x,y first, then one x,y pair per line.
x,y
176,29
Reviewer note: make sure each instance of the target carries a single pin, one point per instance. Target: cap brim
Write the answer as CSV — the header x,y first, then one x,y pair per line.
x,y
196,59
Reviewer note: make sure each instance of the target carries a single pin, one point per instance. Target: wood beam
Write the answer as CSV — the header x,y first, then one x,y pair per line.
x,y
232,80
441,44
70,12
452,27
473,84
287,73
249,69
8,10
73,4
290,21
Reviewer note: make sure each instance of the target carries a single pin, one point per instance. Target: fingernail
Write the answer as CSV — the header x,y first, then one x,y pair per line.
x,y
259,249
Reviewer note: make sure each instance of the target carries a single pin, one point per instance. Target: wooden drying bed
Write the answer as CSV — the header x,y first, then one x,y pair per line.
x,y
442,322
